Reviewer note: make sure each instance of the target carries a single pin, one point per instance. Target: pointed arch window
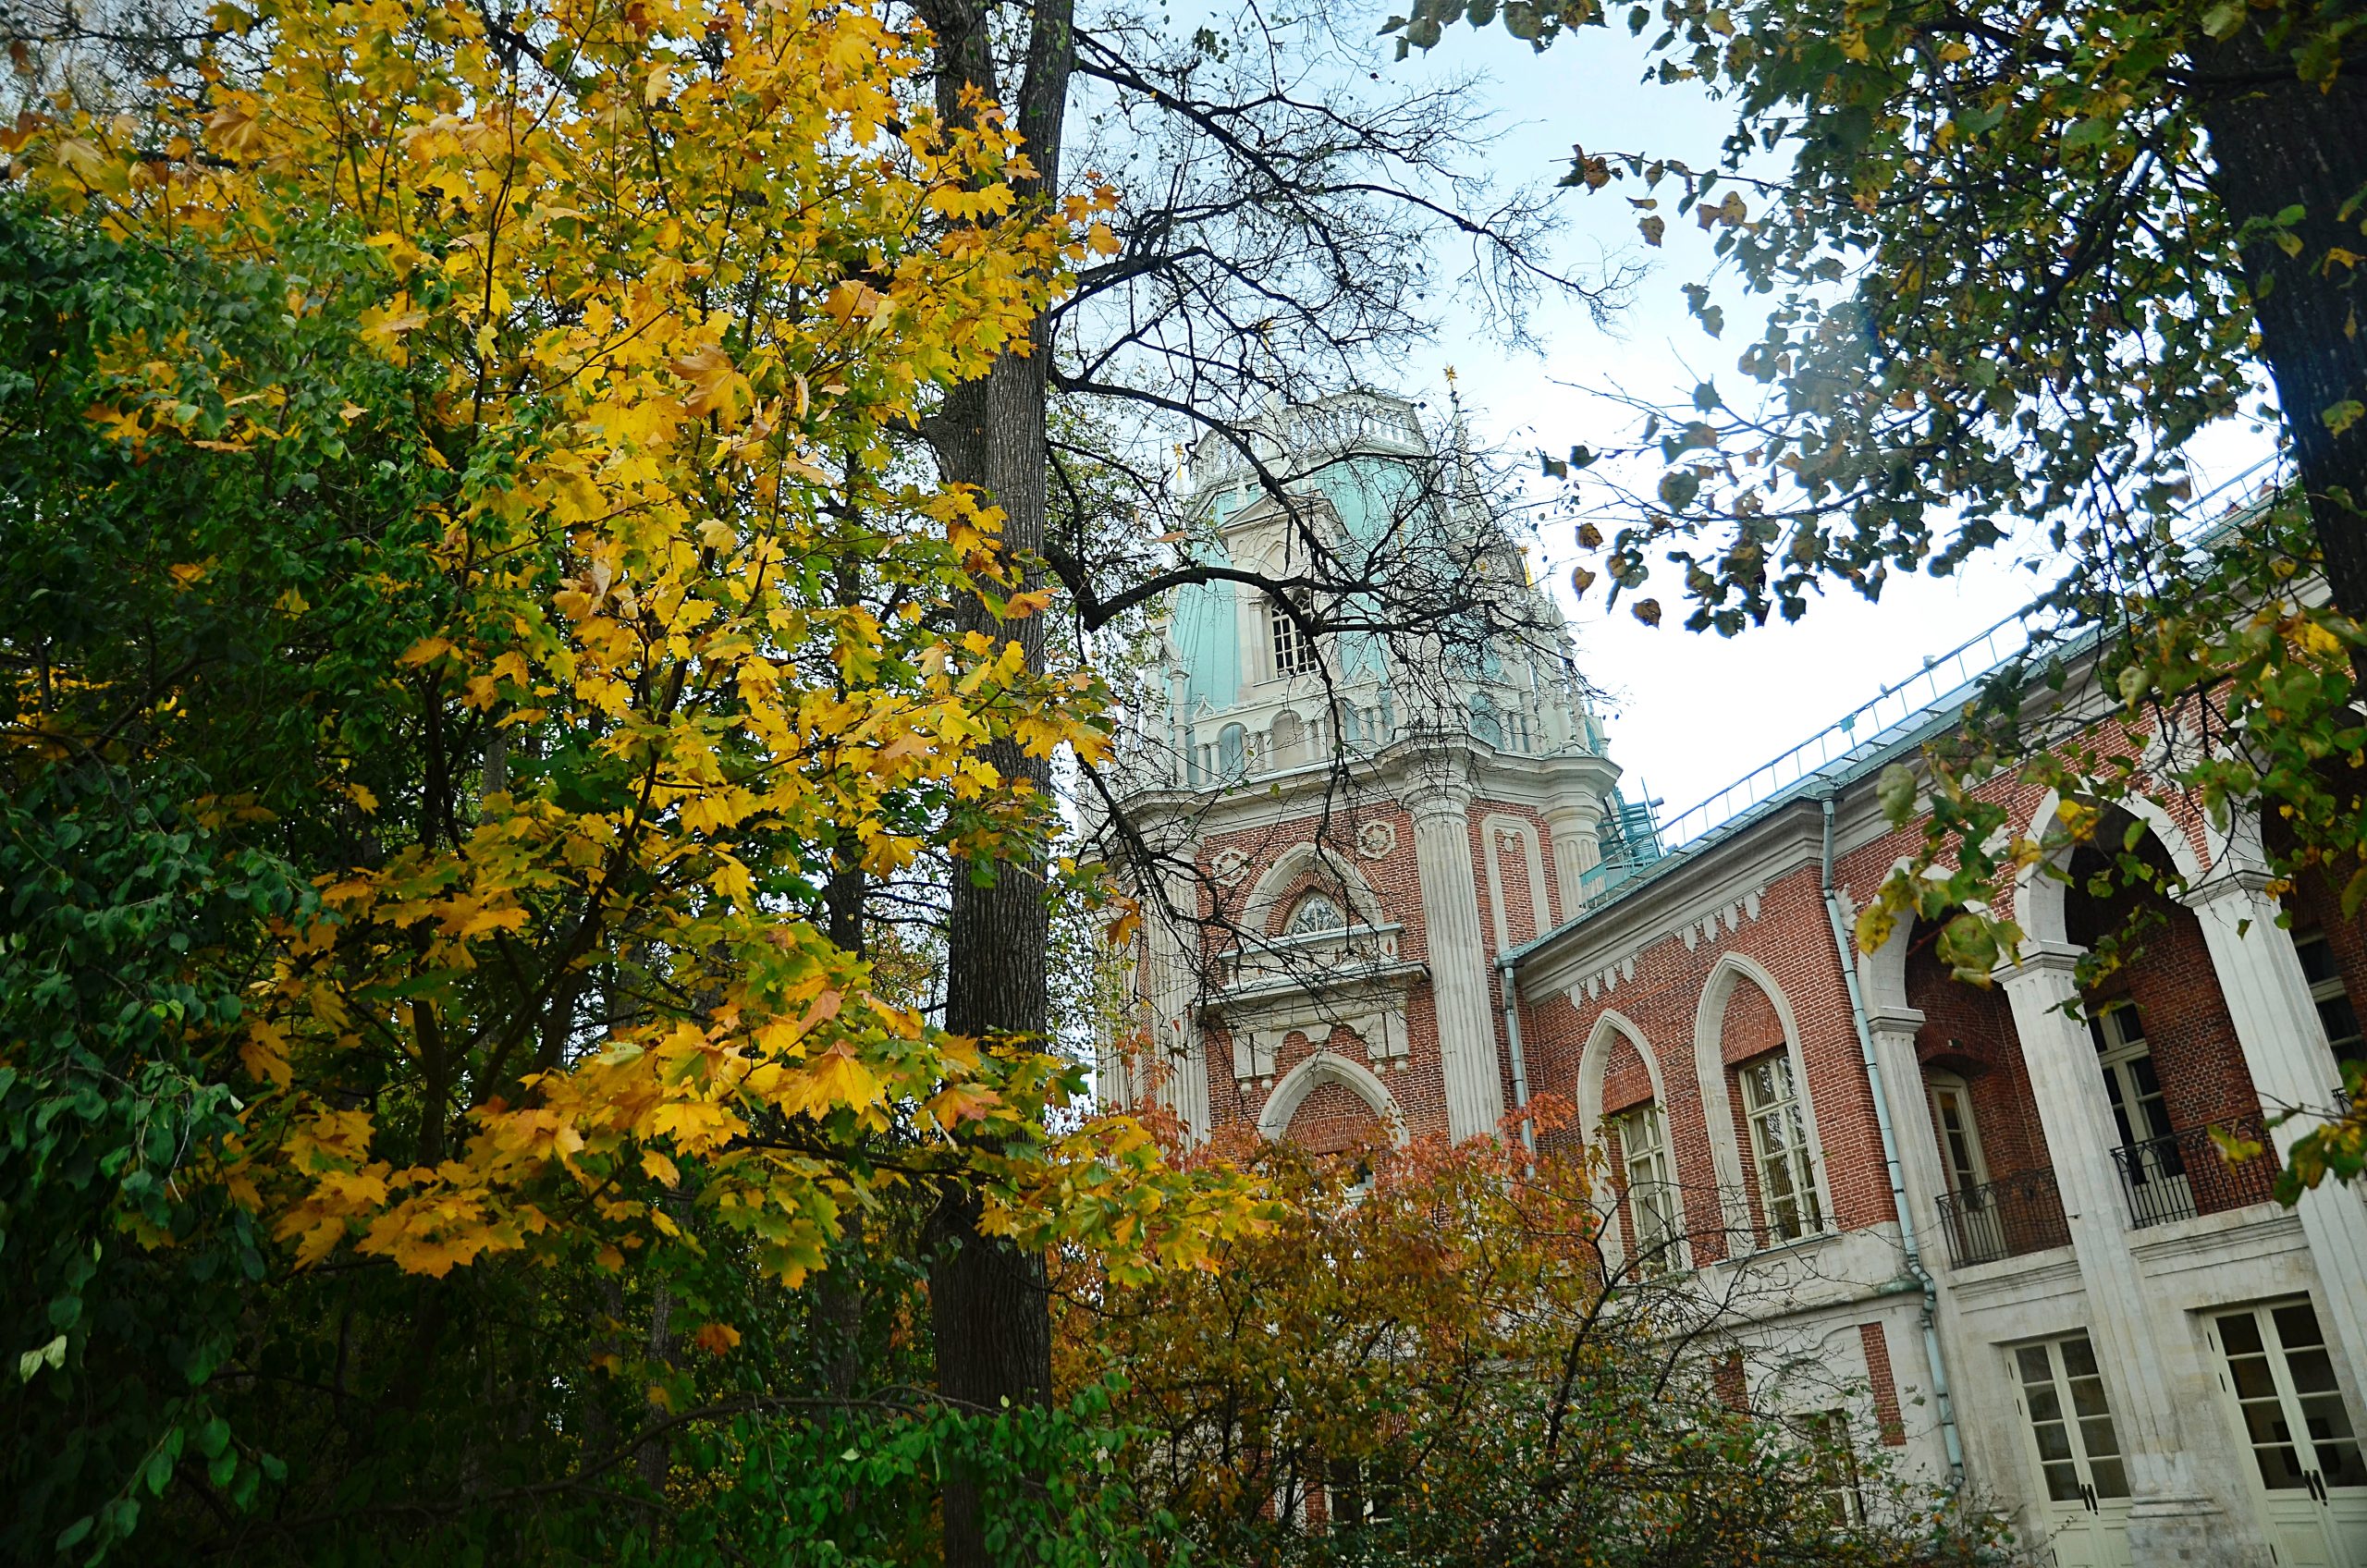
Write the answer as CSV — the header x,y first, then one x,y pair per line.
x,y
1317,913
1779,1144
1651,1189
1484,722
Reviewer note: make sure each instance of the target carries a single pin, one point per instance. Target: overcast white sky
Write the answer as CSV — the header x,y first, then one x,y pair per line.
x,y
1693,712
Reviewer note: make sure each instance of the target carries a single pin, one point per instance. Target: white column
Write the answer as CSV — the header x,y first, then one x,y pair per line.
x,y
1475,1097
1179,1048
2286,1050
1894,1030
2148,1360
1575,824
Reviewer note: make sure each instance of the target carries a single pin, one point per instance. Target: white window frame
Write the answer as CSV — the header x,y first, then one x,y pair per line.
x,y
2118,1030
2353,1046
1289,650
1296,926
1942,1087
1643,1142
1843,1488
1785,1113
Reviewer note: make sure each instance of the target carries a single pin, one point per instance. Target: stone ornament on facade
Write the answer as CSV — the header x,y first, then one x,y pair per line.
x,y
1377,841
1379,1025
1227,867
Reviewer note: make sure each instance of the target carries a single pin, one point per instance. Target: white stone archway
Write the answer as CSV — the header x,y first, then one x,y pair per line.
x,y
1717,1106
2039,898
1327,1066
1337,872
1610,1026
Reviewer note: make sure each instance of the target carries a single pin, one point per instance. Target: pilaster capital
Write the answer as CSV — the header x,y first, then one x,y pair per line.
x,y
2230,880
1438,794
1581,810
2052,961
1895,1020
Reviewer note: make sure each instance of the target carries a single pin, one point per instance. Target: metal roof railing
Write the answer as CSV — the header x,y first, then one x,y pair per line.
x,y
1945,679
1923,701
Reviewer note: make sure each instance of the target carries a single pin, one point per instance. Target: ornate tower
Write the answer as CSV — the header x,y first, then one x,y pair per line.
x,y
1364,788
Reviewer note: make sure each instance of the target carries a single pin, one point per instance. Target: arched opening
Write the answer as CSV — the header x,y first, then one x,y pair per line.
x,y
1232,751
1328,1103
1999,1196
2167,1050
1290,740
1484,722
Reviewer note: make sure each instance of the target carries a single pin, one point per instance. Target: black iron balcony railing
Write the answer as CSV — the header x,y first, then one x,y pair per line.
x,y
2185,1175
2003,1218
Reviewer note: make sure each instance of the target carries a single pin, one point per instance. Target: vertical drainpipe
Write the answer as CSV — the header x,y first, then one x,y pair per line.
x,y
1949,1436
1520,1063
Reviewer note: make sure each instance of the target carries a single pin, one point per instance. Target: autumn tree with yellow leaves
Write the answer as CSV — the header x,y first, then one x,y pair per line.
x,y
473,599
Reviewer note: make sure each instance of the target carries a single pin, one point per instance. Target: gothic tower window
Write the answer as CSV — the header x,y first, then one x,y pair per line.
x,y
1293,650
1484,723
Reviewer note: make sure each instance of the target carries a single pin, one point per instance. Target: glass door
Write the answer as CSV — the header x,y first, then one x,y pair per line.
x,y
2291,1409
2077,1451
2152,1165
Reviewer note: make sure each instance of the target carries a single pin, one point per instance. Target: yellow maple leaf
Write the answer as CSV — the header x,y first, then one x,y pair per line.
x,y
712,377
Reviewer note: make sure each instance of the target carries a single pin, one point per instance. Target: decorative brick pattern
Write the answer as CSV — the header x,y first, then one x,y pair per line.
x,y
1332,1118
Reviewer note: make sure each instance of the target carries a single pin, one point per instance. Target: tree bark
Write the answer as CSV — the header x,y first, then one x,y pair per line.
x,y
990,1310
2279,142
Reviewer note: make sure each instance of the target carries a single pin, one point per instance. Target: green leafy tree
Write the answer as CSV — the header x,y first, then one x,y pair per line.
x,y
439,1119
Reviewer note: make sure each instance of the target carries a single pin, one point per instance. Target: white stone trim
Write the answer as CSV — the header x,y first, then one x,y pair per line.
x,y
1293,862
1498,829
1717,1107
1327,1066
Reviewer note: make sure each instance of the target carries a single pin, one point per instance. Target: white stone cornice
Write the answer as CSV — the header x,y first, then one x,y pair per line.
x,y
2229,881
2042,958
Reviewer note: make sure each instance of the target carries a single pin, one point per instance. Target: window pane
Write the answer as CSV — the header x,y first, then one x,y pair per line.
x,y
2317,957
2240,1334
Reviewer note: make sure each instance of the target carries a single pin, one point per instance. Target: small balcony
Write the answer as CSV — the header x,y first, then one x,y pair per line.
x,y
2003,1218
2184,1175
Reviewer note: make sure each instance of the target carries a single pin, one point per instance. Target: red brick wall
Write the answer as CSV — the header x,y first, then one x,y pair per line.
x,y
1882,1385
1969,1029
1791,940
2316,904
1750,1028
2170,979
1332,1118
1626,1083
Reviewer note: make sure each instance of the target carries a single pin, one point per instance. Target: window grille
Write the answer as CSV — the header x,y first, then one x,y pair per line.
x,y
1316,912
1293,650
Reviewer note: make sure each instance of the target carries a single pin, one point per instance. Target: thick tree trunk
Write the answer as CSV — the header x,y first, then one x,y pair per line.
x,y
2279,142
990,1310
